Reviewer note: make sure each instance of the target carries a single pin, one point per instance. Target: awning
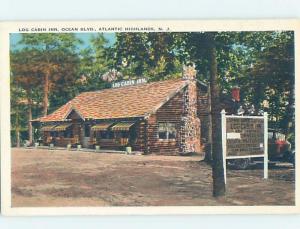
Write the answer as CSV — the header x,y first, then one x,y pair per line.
x,y
48,127
101,126
122,126
62,127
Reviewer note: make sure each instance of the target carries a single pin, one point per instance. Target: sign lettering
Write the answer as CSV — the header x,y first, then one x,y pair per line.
x,y
124,83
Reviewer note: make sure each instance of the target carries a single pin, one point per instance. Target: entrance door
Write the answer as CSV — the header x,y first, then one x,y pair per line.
x,y
86,135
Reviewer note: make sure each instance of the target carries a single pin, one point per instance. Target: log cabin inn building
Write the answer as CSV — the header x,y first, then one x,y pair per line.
x,y
165,117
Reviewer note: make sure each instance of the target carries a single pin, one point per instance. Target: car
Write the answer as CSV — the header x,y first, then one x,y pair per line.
x,y
278,147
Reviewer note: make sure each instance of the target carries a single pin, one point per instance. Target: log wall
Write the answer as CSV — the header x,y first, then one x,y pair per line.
x,y
203,111
139,143
171,112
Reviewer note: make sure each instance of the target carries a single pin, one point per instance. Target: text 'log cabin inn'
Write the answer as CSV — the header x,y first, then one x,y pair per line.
x,y
165,117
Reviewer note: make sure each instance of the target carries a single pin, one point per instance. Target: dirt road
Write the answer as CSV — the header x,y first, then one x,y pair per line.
x,y
62,178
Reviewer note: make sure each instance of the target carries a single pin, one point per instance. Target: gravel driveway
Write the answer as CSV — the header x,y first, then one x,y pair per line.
x,y
41,177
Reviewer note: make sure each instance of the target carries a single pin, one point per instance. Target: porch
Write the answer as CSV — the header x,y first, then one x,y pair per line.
x,y
107,135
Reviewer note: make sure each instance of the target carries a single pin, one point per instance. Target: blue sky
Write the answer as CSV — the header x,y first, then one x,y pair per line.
x,y
85,37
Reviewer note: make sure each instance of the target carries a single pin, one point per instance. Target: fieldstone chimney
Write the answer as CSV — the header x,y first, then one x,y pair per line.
x,y
190,123
189,72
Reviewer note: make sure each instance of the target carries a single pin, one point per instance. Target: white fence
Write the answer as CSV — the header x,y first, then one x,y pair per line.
x,y
244,137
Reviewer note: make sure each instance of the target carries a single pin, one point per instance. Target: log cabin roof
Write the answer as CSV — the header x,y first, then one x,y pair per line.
x,y
124,102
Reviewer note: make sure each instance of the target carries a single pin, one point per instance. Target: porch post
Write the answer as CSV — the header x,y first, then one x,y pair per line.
x,y
146,150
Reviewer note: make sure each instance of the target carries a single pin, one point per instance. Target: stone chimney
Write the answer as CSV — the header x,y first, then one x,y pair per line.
x,y
189,72
190,123
235,94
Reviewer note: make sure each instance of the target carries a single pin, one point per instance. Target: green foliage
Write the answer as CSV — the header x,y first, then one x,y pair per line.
x,y
151,55
18,109
95,60
57,63
272,79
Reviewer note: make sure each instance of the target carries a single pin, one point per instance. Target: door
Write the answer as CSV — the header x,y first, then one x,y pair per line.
x,y
86,135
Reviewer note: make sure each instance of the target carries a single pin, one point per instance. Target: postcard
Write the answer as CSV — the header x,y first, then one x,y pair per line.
x,y
149,117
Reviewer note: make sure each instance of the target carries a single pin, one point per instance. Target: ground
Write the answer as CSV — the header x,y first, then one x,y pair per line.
x,y
55,178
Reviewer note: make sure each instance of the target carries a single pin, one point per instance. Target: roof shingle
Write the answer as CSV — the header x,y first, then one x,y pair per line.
x,y
123,102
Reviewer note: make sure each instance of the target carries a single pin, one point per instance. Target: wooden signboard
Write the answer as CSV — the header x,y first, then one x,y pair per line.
x,y
245,137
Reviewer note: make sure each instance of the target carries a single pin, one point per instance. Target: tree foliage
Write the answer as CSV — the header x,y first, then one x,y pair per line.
x,y
151,55
58,60
272,80
95,60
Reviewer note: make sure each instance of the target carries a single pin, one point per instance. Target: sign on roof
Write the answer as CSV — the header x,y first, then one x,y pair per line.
x,y
124,83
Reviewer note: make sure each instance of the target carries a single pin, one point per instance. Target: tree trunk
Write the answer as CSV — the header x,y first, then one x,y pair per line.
x,y
208,152
290,111
30,133
46,92
217,168
17,129
18,137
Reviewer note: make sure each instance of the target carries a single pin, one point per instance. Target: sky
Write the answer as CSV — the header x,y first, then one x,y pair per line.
x,y
85,37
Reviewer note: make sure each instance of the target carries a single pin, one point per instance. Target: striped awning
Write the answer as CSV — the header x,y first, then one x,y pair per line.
x,y
122,126
101,126
48,127
62,127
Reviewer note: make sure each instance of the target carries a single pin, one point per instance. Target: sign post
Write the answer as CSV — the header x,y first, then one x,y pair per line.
x,y
266,145
223,124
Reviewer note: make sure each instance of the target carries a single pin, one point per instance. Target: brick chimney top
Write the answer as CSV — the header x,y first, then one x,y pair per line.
x,y
189,72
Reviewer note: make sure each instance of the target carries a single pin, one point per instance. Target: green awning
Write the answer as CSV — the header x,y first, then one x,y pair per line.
x,y
62,127
48,127
122,126
101,126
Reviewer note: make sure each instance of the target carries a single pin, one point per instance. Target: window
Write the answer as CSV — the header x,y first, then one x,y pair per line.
x,y
166,130
106,134
87,130
68,134
53,134
122,134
